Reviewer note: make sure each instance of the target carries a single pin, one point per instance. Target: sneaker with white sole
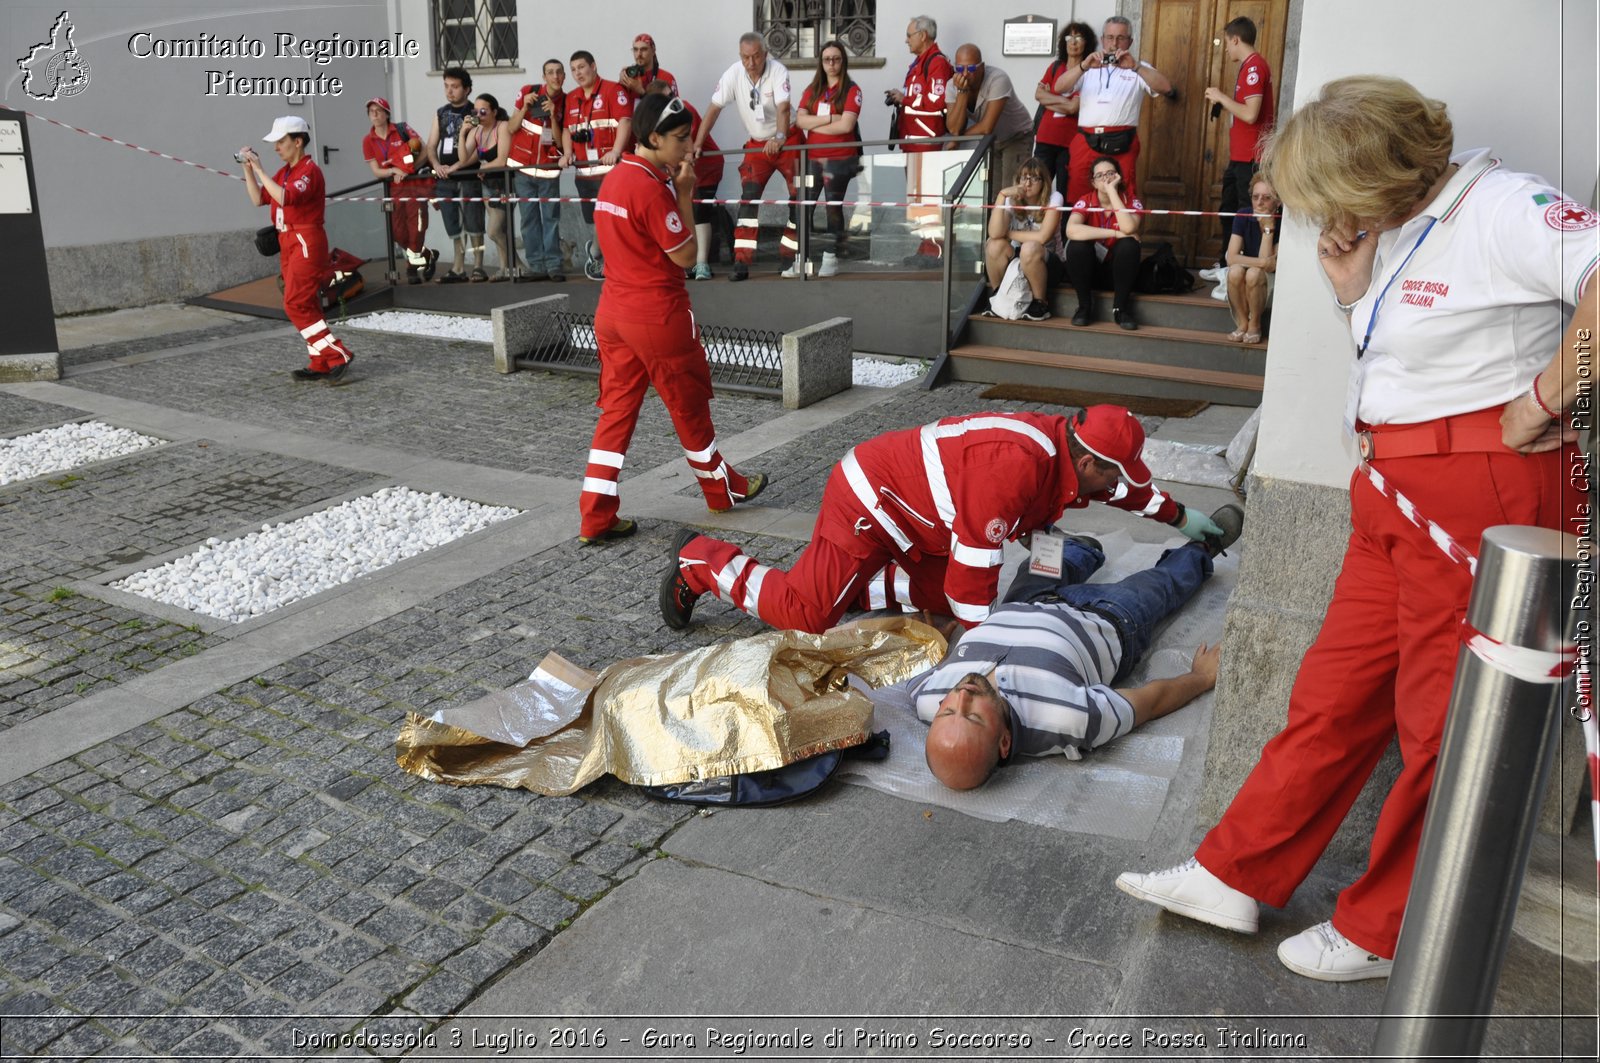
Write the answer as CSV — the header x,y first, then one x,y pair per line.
x,y
794,270
1214,274
1190,890
1328,956
1220,292
830,264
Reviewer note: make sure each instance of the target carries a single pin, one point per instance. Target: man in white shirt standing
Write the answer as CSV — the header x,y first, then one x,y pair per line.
x,y
758,86
1112,84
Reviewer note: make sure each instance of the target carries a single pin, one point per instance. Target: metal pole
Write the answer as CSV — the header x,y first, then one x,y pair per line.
x,y
1494,762
803,221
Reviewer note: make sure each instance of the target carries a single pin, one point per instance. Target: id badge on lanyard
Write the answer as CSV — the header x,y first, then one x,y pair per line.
x,y
1358,372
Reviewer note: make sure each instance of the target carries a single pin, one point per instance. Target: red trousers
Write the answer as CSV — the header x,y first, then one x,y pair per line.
x,y
409,221
826,580
1381,667
1080,165
303,262
633,357
754,173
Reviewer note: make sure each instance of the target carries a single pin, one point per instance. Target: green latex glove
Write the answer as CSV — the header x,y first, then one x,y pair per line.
x,y
1197,525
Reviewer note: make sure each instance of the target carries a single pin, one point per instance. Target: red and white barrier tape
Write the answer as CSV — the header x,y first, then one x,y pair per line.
x,y
1519,662
931,201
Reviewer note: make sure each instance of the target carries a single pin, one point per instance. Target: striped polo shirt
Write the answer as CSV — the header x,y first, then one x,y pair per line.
x,y
1053,663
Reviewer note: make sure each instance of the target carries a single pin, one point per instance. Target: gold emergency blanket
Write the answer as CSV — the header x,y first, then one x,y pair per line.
x,y
750,705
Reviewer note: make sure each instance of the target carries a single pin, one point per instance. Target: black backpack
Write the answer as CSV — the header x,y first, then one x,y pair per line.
x,y
1161,273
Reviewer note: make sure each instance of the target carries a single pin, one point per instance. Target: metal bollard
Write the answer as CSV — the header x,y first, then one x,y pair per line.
x,y
1499,739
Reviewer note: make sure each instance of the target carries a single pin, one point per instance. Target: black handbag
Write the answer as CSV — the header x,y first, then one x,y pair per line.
x,y
267,240
1111,143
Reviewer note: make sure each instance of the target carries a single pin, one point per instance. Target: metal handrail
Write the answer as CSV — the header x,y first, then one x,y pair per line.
x,y
947,264
895,142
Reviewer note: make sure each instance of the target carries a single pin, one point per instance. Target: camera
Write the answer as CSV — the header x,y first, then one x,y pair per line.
x,y
888,98
470,120
582,136
1109,58
635,71
239,157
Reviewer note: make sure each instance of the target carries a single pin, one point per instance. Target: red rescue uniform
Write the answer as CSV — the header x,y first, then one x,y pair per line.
x,y
408,222
647,336
303,259
938,501
922,112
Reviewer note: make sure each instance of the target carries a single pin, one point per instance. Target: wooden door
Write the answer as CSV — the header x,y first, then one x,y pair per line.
x,y
1182,152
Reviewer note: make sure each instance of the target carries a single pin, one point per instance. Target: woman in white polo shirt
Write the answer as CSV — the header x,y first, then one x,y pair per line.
x,y
1457,275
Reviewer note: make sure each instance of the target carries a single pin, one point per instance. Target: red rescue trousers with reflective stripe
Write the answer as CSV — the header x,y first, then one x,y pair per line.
x,y
825,581
634,356
754,173
409,220
303,262
1382,667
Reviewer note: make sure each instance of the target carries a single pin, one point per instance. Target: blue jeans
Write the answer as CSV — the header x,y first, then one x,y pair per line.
x,y
1134,605
541,223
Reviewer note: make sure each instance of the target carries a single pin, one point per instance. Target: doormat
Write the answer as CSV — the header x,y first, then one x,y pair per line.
x,y
1072,397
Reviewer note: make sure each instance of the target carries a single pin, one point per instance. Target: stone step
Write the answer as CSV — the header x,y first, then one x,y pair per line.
x,y
989,363
1194,310
1179,349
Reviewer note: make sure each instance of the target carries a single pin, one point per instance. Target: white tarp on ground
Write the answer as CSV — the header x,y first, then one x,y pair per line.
x,y
1117,791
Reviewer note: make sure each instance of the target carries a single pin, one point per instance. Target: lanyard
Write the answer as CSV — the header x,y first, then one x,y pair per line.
x,y
1378,306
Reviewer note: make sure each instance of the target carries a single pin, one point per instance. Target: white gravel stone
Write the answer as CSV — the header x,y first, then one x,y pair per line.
x,y
282,563
868,372
66,447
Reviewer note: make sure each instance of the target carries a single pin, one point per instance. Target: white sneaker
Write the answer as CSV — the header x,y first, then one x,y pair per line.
x,y
793,271
1220,292
1328,956
1190,890
830,265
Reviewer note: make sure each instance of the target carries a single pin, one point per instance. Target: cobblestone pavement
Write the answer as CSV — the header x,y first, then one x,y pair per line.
x,y
199,884
260,854
19,416
57,645
435,397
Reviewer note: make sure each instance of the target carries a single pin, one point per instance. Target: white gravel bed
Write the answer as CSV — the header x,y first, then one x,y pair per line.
x,y
66,447
868,372
445,326
238,579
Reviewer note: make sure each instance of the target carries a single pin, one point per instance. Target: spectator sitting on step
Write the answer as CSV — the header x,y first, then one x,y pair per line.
x,y
1027,224
981,100
1038,676
1253,262
1102,248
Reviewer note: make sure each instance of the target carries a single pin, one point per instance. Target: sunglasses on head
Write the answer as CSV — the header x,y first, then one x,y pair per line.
x,y
674,106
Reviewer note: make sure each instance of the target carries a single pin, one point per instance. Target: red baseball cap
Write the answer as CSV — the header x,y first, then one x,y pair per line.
x,y
1113,434
381,102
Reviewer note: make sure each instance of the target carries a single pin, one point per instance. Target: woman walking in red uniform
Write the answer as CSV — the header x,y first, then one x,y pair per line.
x,y
644,325
296,193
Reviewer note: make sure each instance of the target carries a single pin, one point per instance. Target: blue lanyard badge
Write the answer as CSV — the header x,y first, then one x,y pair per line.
x,y
1372,321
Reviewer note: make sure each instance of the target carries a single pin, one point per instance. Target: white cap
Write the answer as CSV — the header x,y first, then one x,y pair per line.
x,y
282,127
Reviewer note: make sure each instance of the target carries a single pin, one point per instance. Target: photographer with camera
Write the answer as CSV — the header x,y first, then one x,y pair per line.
x,y
645,69
295,199
594,134
452,124
537,117
1111,85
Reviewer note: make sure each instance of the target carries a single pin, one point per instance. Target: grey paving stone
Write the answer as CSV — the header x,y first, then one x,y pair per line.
x,y
441,994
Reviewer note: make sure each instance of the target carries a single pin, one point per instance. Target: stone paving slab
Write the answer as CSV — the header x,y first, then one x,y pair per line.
x,y
427,396
221,333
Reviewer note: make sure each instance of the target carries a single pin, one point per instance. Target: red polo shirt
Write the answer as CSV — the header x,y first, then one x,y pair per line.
x,y
303,196
637,222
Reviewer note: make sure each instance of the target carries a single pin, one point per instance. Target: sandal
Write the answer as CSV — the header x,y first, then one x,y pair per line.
x,y
1237,335
452,277
1251,337
478,275
503,275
